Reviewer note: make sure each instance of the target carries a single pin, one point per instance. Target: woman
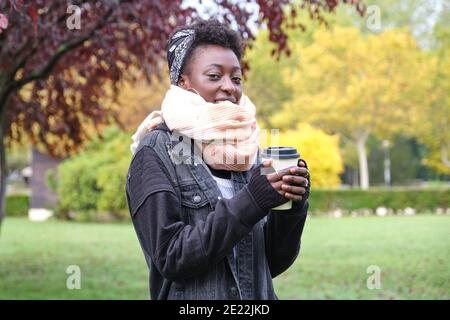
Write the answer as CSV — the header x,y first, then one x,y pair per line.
x,y
205,225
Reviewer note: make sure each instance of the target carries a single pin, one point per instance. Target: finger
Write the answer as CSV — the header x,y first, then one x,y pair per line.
x,y
278,175
293,197
300,171
296,180
301,163
283,172
277,186
267,163
293,189
273,177
287,172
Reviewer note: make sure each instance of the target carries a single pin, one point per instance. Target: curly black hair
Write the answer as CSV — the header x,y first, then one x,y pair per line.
x,y
211,32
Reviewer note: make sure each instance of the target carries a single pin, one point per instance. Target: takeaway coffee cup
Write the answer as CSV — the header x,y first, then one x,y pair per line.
x,y
283,157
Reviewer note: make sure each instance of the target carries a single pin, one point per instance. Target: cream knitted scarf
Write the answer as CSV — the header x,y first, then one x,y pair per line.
x,y
227,133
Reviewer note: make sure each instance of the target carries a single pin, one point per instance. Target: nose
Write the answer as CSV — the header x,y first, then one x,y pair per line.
x,y
228,86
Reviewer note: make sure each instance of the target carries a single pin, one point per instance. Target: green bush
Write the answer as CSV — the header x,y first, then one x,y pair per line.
x,y
17,205
91,185
397,199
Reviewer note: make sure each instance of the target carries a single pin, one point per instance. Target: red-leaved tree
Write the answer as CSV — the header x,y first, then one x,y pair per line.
x,y
64,53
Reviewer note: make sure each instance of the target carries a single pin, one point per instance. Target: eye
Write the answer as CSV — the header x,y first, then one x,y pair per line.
x,y
214,76
236,80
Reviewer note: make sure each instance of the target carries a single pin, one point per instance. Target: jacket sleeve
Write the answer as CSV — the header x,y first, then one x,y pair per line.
x,y
283,231
180,250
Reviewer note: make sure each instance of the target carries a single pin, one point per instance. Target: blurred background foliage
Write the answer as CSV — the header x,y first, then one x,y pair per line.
x,y
320,151
91,185
350,96
344,89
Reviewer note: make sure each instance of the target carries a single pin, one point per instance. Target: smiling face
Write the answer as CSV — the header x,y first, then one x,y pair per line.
x,y
214,72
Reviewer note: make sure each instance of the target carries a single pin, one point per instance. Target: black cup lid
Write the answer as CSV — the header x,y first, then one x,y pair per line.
x,y
280,153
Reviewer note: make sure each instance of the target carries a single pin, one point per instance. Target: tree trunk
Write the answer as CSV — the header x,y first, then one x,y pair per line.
x,y
444,156
2,167
355,177
362,158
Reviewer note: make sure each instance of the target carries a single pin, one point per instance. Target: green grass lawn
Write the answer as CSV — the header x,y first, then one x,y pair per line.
x,y
413,254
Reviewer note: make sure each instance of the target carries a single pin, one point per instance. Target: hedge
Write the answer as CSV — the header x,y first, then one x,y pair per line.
x,y
348,200
321,201
17,205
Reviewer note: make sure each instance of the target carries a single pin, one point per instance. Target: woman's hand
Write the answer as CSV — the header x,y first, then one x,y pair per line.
x,y
291,182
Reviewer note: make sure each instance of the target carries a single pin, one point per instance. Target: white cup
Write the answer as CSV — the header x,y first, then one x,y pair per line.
x,y
282,158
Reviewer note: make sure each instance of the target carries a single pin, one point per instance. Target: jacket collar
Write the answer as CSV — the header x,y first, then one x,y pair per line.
x,y
162,126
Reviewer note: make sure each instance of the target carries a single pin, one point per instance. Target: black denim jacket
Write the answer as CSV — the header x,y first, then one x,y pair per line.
x,y
187,231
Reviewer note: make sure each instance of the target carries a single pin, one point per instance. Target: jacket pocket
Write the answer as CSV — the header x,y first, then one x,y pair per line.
x,y
194,203
192,196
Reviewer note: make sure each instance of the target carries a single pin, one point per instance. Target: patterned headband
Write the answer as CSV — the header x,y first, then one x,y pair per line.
x,y
178,47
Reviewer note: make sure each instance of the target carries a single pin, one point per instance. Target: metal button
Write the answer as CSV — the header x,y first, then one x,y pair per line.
x,y
233,291
197,199
219,197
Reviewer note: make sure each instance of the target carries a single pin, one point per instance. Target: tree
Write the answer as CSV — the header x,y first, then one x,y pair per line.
x,y
136,100
264,81
432,118
426,20
320,150
355,86
419,16
429,23
69,52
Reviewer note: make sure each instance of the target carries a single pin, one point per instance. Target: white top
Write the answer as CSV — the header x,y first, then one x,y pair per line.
x,y
225,186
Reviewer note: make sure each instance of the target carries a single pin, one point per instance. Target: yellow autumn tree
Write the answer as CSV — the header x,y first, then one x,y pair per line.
x,y
354,85
135,100
430,120
320,151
